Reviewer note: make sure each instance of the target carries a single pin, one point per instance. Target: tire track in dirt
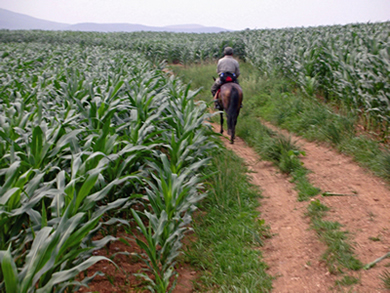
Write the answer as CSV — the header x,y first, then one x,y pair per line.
x,y
364,211
294,252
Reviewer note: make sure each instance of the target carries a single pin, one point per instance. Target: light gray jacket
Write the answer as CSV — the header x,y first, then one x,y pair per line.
x,y
228,64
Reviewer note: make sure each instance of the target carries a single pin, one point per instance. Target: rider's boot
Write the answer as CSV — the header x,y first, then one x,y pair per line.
x,y
217,106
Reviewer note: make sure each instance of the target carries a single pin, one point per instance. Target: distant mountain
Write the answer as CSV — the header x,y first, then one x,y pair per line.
x,y
16,21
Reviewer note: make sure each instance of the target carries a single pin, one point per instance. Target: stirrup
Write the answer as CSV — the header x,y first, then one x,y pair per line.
x,y
217,105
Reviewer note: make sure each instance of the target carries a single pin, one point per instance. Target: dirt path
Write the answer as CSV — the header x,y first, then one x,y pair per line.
x,y
294,252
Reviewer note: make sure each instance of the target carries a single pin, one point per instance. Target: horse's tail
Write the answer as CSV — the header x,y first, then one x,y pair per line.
x,y
232,112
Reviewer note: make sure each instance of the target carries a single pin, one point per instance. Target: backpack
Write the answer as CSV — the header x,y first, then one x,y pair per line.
x,y
227,77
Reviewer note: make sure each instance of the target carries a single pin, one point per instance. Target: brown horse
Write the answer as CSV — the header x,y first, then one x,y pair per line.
x,y
230,98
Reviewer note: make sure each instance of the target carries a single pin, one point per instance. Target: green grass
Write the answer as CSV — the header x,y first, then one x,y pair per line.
x,y
228,231
339,254
280,150
375,239
200,76
385,277
347,281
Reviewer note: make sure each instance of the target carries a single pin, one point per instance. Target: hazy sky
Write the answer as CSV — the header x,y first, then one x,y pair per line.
x,y
229,14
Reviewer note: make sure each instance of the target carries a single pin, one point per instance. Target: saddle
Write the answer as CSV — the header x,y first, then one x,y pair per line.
x,y
227,77
224,77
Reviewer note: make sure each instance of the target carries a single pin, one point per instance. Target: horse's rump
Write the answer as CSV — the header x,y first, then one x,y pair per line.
x,y
231,98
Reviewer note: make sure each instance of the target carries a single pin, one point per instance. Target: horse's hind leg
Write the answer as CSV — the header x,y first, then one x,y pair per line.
x,y
232,136
229,126
221,123
233,131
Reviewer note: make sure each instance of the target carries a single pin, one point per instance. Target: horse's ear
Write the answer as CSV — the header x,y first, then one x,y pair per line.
x,y
214,78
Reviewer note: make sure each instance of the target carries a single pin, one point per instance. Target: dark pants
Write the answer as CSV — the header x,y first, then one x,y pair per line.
x,y
215,87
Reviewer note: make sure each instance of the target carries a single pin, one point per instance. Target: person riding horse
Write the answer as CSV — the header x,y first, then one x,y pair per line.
x,y
227,92
228,70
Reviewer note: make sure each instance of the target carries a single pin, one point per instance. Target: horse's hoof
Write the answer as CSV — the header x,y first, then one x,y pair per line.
x,y
231,142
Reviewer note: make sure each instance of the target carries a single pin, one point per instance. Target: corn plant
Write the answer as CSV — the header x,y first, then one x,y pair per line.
x,y
55,257
172,201
173,185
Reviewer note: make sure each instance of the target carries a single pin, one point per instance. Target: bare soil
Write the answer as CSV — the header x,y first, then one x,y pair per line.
x,y
294,252
122,279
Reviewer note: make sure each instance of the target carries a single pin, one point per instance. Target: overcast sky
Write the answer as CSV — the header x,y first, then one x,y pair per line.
x,y
229,14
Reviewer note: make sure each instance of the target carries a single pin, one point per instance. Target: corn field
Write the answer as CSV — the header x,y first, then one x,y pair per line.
x,y
349,64
86,134
94,135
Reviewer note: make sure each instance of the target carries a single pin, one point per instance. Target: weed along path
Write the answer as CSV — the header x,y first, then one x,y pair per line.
x,y
360,202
